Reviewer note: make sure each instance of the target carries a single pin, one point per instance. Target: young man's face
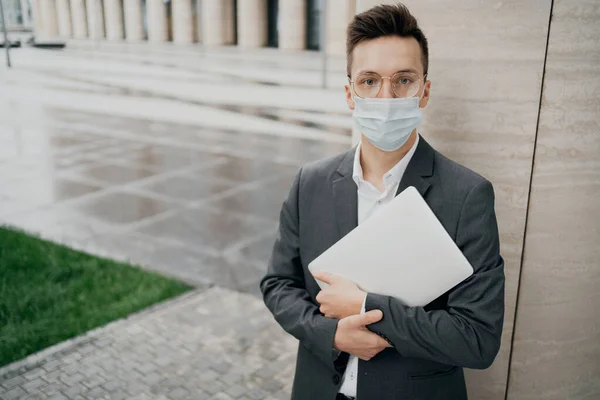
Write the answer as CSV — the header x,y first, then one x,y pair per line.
x,y
386,56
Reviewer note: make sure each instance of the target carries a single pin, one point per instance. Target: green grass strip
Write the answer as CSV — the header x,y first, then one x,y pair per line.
x,y
50,293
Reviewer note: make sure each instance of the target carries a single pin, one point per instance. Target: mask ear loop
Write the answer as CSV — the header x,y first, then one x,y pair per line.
x,y
423,94
352,94
424,83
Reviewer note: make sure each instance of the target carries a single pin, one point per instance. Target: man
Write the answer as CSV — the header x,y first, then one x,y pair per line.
x,y
365,345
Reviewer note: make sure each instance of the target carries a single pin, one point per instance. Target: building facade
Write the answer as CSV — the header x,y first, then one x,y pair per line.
x,y
284,24
18,14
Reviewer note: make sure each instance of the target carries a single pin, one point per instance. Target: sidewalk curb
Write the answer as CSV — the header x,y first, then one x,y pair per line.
x,y
38,359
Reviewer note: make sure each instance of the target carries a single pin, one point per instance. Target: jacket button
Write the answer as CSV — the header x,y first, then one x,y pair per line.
x,y
336,380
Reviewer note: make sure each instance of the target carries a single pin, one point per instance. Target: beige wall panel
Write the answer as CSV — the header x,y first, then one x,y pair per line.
x,y
556,352
486,63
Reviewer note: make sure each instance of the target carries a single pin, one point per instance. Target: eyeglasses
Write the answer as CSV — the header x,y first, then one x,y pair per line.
x,y
404,84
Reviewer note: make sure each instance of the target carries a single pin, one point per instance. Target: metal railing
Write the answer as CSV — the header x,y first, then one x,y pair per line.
x,y
5,29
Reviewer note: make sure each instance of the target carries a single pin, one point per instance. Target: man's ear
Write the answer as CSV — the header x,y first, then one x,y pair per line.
x,y
426,91
349,100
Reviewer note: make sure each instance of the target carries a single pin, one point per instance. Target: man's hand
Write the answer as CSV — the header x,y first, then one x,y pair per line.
x,y
341,299
352,336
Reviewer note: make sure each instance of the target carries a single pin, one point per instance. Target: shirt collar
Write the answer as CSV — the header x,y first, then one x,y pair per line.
x,y
393,176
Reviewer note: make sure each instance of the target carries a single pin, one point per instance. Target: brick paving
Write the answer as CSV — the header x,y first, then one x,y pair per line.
x,y
209,344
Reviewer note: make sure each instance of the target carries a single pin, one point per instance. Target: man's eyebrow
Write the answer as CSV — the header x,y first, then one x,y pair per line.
x,y
402,70
409,70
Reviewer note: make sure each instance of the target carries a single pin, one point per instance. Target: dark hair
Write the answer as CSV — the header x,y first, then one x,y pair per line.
x,y
385,20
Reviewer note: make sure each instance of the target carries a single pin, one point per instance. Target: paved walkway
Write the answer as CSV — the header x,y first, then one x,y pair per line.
x,y
175,160
213,344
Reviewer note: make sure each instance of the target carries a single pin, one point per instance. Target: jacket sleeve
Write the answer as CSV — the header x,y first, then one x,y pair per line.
x,y
284,290
468,332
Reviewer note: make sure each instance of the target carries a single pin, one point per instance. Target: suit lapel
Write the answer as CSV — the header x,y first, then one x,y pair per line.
x,y
345,197
344,188
419,167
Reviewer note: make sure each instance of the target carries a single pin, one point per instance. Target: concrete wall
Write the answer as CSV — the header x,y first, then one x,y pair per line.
x,y
556,352
486,82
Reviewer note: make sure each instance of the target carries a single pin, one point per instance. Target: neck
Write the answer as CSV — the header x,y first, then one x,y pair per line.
x,y
376,162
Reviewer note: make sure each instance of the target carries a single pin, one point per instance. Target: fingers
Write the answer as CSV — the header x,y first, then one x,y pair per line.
x,y
367,356
367,318
362,320
325,277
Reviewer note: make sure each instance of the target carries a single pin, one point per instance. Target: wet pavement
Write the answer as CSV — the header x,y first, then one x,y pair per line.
x,y
176,159
138,187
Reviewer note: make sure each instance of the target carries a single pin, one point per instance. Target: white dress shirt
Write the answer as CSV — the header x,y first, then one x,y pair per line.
x,y
370,200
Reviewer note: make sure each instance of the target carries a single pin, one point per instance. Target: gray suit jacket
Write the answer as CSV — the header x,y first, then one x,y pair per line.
x,y
432,344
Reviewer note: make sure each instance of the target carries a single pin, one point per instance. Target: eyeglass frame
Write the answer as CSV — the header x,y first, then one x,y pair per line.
x,y
424,81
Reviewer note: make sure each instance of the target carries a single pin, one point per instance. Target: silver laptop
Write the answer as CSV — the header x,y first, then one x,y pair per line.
x,y
401,251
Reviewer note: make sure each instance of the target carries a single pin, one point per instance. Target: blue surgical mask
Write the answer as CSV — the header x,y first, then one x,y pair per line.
x,y
387,123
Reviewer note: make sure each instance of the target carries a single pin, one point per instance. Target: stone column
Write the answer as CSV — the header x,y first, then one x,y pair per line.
x,y
182,16
252,23
79,18
364,5
95,17
63,13
158,24
134,20
113,14
48,19
36,16
338,15
217,22
292,24
229,21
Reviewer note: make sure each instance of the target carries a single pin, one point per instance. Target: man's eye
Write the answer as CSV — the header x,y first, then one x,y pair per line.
x,y
369,82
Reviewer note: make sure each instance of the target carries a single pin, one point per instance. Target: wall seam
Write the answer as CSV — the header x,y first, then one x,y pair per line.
x,y
535,140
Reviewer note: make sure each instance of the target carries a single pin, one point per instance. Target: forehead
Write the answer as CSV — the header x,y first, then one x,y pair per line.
x,y
387,55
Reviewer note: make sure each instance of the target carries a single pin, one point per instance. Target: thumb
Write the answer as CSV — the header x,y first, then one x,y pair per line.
x,y
365,319
325,277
